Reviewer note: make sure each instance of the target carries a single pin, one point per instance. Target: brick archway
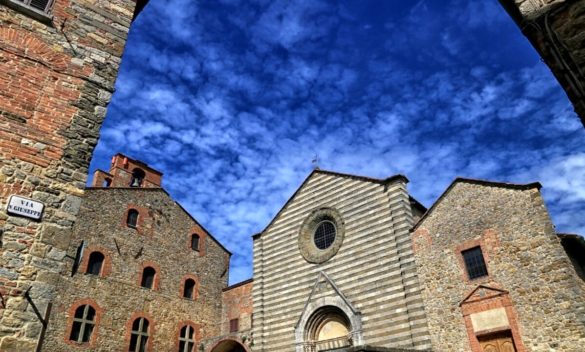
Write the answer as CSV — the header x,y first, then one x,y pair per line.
x,y
230,344
36,49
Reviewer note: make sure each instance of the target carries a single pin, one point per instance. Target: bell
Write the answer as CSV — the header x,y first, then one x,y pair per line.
x,y
135,182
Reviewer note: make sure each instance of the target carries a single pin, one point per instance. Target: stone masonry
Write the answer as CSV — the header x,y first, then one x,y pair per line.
x,y
162,240
556,29
532,290
57,73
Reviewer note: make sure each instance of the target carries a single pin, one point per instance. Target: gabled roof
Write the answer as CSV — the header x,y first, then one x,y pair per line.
x,y
332,173
526,186
160,189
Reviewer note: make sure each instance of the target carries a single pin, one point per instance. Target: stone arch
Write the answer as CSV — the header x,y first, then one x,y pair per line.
x,y
325,309
229,344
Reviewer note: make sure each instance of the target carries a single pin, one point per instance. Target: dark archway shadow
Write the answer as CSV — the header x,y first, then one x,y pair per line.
x,y
229,346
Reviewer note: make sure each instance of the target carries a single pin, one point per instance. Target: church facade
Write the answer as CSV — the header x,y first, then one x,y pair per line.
x,y
356,264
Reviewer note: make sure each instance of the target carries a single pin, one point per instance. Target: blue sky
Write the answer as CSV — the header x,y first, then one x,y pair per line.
x,y
233,99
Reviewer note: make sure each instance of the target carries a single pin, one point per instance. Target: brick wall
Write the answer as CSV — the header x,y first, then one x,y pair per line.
x,y
164,246
236,304
57,75
530,277
556,30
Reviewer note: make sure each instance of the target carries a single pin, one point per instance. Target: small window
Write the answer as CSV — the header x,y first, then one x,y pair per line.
x,y
189,288
95,263
137,178
195,242
83,324
324,234
474,263
107,182
132,219
139,335
234,325
187,339
148,275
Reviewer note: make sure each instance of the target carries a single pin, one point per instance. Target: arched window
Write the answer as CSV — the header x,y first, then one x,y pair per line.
x,y
195,242
189,288
132,219
187,339
148,275
139,335
95,263
83,324
137,178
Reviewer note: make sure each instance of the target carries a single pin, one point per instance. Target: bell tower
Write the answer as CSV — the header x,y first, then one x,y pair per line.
x,y
126,172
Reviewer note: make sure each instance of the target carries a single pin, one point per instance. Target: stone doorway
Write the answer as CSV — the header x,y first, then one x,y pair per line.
x,y
501,342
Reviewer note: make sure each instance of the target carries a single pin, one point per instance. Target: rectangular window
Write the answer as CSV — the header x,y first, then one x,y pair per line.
x,y
474,263
42,5
234,325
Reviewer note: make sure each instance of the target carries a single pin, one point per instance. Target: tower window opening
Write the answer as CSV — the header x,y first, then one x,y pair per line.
x,y
137,178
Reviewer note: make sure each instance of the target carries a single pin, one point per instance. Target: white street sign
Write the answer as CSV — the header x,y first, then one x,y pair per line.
x,y
25,207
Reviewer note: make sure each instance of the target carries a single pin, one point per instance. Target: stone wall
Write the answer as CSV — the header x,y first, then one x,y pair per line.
x,y
370,275
161,240
556,28
531,289
57,75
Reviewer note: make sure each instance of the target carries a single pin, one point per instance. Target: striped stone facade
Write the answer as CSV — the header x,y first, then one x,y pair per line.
x,y
372,277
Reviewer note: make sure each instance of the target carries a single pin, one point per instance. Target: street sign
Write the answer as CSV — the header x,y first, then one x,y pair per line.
x,y
25,207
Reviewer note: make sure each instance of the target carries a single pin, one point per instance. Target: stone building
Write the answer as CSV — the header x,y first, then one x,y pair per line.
x,y
495,272
58,63
556,29
356,264
144,275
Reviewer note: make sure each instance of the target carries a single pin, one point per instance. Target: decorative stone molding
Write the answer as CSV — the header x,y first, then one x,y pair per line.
x,y
307,246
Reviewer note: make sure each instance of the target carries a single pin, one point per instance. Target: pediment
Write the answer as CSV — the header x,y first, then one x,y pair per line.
x,y
482,292
323,292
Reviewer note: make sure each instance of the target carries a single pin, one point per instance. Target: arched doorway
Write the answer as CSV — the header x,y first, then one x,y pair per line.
x,y
328,328
229,346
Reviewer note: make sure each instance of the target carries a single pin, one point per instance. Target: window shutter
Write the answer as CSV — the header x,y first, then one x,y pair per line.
x,y
78,257
43,5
